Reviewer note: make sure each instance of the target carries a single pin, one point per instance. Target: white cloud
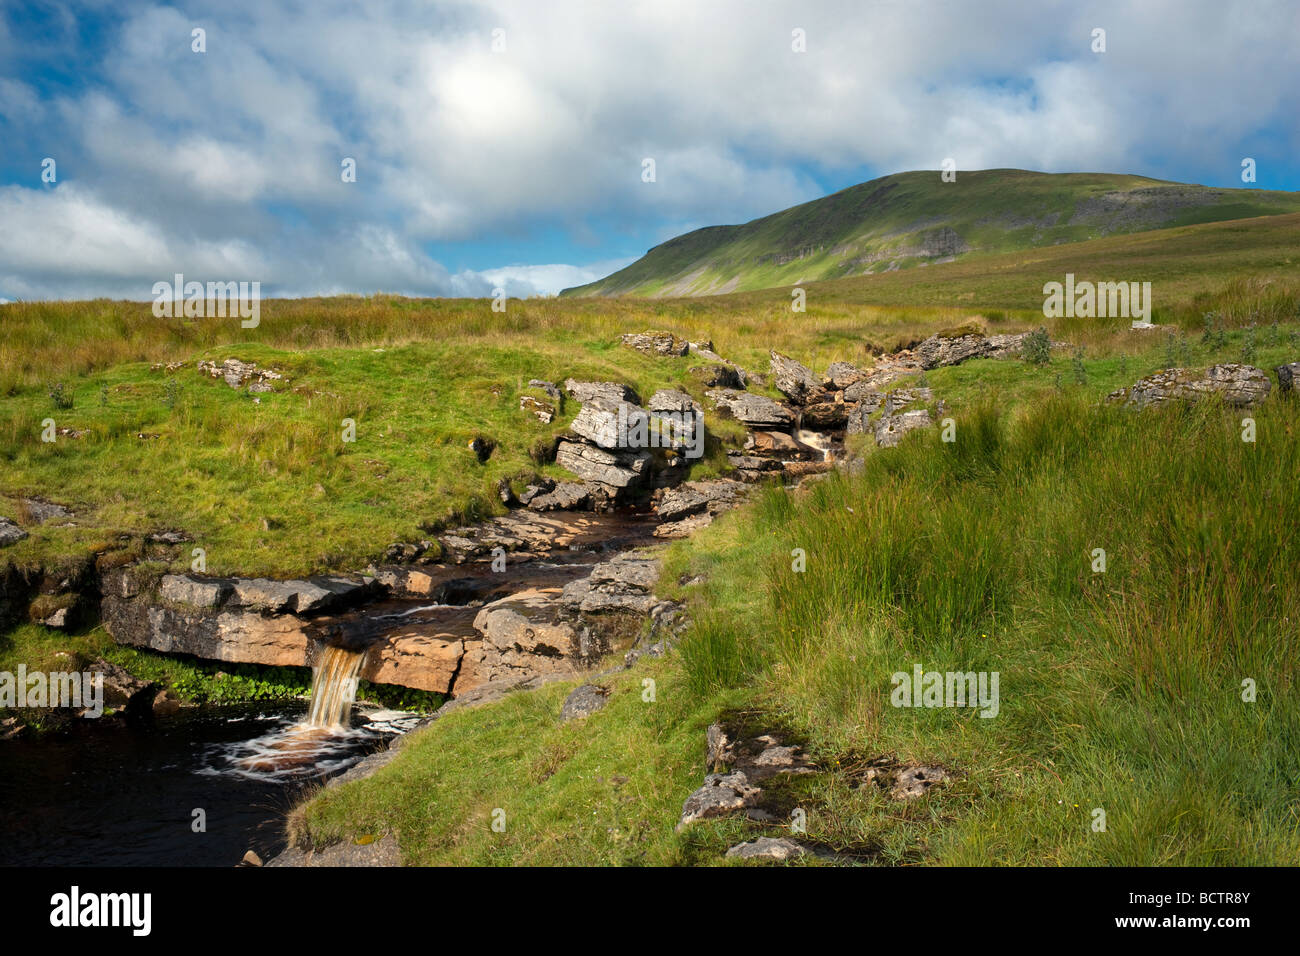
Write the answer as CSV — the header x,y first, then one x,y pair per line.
x,y
229,160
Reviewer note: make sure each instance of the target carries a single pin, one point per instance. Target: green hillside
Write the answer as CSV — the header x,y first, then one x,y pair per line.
x,y
912,219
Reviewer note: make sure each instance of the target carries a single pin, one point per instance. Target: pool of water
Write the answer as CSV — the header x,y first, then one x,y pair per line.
x,y
121,793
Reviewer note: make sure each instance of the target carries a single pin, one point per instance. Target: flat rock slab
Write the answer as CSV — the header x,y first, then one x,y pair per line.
x,y
583,702
381,852
656,343
768,848
756,411
1241,386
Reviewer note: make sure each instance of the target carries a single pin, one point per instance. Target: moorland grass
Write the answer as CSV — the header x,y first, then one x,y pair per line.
x,y
1120,691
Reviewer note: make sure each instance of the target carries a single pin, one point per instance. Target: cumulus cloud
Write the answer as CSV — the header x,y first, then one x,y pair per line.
x,y
227,163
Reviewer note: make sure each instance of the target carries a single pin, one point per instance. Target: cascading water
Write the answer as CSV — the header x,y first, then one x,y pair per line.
x,y
325,740
334,688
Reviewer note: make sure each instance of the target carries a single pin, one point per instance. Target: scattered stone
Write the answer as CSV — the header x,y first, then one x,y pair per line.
x,y
548,387
583,702
656,343
890,429
10,533
767,848
544,412
912,782
236,374
169,537
250,859
1241,386
721,794
1287,375
40,511
840,375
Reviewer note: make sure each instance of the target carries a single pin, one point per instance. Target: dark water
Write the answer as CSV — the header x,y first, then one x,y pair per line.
x,y
123,793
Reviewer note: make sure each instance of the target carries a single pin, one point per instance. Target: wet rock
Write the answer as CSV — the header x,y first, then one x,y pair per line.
x,y
825,416
522,534
1241,386
781,446
415,658
767,848
165,704
1287,376
721,794
796,382
890,429
121,689
755,411
563,496
752,468
583,702
656,343
10,533
609,392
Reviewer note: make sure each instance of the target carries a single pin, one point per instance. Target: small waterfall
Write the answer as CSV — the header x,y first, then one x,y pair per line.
x,y
334,688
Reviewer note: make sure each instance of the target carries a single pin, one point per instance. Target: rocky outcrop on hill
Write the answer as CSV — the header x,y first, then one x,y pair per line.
x,y
940,350
656,343
238,374
1241,386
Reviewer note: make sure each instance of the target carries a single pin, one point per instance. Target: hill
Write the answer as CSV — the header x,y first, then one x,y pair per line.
x,y
911,219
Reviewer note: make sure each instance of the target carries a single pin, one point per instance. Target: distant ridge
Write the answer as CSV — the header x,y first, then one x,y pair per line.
x,y
914,219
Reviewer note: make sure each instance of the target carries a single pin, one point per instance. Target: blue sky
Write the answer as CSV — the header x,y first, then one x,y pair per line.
x,y
522,166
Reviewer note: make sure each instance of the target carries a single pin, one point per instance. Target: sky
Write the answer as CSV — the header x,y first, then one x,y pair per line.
x,y
503,144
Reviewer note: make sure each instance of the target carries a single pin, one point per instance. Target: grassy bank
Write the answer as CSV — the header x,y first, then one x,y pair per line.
x,y
1120,691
